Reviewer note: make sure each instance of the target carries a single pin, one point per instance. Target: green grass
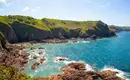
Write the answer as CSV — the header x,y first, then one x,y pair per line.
x,y
47,24
68,23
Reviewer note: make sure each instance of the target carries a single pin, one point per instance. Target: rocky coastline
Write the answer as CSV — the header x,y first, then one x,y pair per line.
x,y
54,41
18,32
17,57
77,71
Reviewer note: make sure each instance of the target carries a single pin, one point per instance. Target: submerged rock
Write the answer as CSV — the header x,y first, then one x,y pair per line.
x,y
42,60
35,57
32,48
61,59
40,53
35,65
41,48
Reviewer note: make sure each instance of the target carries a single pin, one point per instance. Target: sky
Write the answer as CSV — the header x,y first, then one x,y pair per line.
x,y
112,12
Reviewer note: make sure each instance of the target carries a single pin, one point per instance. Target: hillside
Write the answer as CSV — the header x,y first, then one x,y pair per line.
x,y
119,28
18,28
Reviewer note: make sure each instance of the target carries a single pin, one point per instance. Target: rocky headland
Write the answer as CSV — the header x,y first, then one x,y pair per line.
x,y
119,28
24,29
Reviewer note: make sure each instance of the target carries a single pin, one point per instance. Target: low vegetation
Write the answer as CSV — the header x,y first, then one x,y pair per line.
x,y
47,23
10,73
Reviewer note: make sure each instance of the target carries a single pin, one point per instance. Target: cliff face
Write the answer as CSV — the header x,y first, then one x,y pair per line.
x,y
8,32
26,32
23,29
119,28
62,33
101,30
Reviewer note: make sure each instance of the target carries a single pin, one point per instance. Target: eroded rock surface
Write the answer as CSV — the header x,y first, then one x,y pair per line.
x,y
77,71
15,57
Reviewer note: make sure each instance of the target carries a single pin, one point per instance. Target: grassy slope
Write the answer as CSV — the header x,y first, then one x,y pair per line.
x,y
46,24
24,19
68,24
54,28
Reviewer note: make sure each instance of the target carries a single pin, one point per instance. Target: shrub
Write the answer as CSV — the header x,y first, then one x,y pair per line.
x,y
10,73
28,22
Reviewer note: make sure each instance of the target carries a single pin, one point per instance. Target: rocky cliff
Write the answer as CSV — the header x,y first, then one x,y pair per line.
x,y
8,32
24,28
119,28
25,32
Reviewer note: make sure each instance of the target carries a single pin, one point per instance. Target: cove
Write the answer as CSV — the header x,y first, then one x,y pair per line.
x,y
108,53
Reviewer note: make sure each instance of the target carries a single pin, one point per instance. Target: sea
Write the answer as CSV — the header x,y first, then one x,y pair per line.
x,y
102,54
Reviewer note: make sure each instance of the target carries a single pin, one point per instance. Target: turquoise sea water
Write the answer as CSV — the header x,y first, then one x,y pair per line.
x,y
108,53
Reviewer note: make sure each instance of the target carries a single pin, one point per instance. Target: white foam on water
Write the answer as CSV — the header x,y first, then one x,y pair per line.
x,y
36,53
120,73
86,41
89,67
83,41
68,62
57,59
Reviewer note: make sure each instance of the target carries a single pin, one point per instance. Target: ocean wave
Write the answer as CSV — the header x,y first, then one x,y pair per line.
x,y
79,41
83,41
36,53
120,73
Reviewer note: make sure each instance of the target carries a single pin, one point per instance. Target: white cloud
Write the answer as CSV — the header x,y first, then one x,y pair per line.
x,y
3,1
25,9
30,9
7,3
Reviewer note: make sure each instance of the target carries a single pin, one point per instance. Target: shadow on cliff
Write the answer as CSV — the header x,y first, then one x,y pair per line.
x,y
26,32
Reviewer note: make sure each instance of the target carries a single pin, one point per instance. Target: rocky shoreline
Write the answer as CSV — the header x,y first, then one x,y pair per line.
x,y
54,41
13,31
77,71
16,56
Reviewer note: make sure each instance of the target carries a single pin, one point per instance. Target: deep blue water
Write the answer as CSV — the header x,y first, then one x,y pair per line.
x,y
100,54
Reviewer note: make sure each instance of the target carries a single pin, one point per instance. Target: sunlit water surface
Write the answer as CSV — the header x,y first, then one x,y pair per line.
x,y
108,53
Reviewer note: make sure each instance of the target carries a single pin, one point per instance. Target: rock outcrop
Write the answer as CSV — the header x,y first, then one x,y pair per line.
x,y
15,57
77,71
8,32
26,32
119,28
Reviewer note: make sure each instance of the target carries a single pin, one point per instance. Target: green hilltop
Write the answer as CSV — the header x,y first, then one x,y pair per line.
x,y
46,23
28,28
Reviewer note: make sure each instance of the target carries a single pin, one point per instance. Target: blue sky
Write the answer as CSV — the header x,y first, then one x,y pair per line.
x,y
116,12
